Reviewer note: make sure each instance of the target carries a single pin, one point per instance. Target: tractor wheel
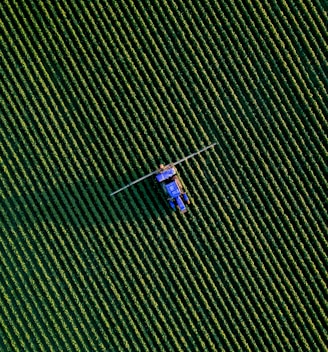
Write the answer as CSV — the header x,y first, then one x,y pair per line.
x,y
172,205
185,198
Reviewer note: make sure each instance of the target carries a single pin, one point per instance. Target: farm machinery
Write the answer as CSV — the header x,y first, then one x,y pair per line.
x,y
172,187
169,181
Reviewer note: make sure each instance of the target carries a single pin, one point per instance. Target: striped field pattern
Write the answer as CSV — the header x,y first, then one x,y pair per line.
x,y
95,94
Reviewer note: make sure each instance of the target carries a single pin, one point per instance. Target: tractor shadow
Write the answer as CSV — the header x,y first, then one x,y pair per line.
x,y
80,204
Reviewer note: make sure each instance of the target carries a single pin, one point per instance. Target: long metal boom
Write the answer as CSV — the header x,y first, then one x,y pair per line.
x,y
132,183
191,155
156,171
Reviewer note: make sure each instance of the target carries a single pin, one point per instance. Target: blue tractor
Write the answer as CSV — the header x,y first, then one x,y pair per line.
x,y
172,187
167,177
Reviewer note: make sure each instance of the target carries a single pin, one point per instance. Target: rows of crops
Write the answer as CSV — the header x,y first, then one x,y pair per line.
x,y
96,94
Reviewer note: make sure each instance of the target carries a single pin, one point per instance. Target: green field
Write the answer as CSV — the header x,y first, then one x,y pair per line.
x,y
94,95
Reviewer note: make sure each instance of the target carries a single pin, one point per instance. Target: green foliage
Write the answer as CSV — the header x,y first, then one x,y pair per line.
x,y
96,94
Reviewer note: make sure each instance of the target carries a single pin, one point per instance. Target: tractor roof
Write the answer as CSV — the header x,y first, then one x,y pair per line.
x,y
173,189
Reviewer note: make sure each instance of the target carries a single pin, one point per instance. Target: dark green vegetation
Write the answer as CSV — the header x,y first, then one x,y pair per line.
x,y
93,96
